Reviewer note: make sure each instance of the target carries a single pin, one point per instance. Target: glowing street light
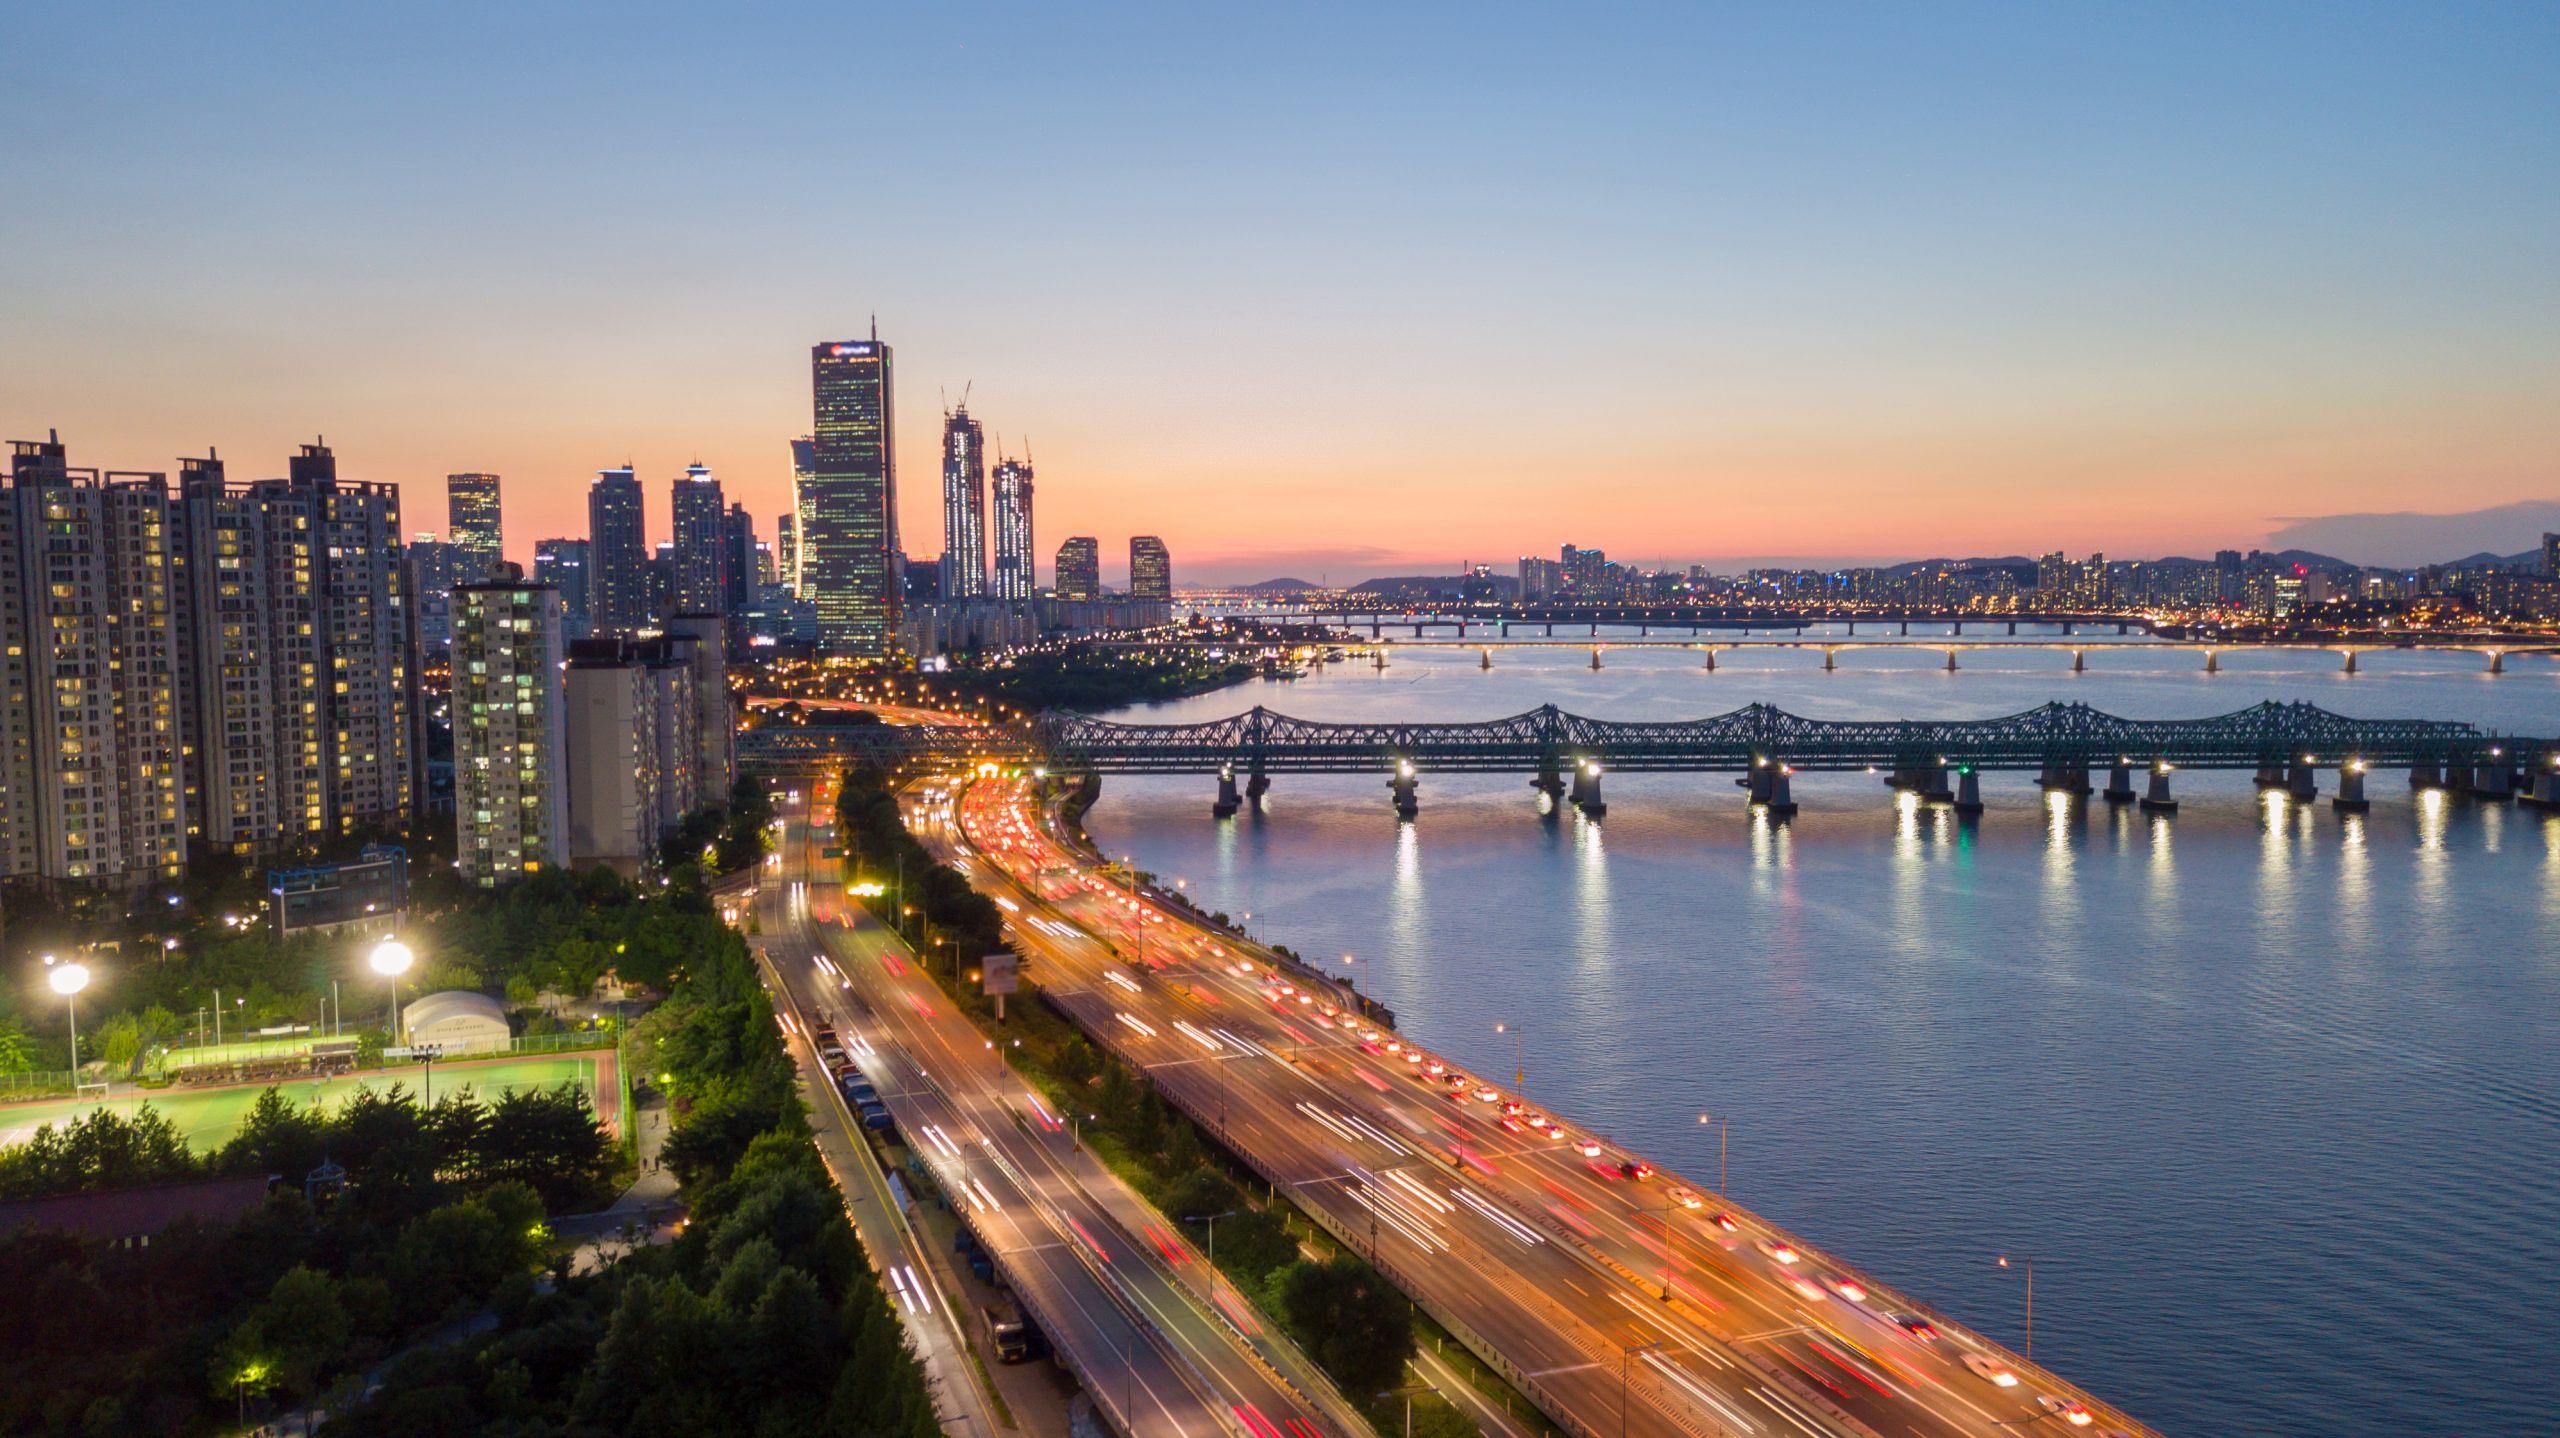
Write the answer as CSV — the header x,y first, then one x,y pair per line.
x,y
391,958
68,980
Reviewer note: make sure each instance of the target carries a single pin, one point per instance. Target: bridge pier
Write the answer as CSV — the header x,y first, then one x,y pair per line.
x,y
2269,776
2426,776
2213,661
2123,630
1906,629
1768,790
2069,628
1595,656
2497,661
2120,782
2301,783
1951,661
1550,782
1853,629
1488,660
2013,629
1958,631
1551,629
2542,791
2079,661
2494,782
2156,800
2351,662
1404,782
1586,783
2350,796
1830,659
1255,787
1229,801
1968,800
1711,659
2065,776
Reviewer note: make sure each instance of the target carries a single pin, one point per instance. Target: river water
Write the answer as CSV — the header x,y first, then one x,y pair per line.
x,y
2272,1097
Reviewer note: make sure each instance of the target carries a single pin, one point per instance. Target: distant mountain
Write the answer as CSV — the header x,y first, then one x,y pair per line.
x,y
2406,540
1282,586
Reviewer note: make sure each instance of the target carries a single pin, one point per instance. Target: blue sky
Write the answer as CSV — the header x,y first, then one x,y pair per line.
x,y
1320,287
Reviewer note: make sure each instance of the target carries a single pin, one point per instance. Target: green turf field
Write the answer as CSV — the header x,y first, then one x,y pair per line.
x,y
208,1117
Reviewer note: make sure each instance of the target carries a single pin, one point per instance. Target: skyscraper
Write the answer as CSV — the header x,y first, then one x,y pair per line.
x,y
617,557
964,506
90,735
564,565
786,550
1015,564
804,467
1150,568
510,775
432,564
472,523
2551,555
849,524
741,559
701,520
1080,568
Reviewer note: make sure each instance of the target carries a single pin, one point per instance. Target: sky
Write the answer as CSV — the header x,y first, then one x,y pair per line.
x,y
1327,291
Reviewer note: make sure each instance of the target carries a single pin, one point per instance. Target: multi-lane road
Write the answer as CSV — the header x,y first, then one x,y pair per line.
x,y
1622,1300
1162,1345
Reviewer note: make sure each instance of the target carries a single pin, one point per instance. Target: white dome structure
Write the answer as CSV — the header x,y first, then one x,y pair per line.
x,y
455,1021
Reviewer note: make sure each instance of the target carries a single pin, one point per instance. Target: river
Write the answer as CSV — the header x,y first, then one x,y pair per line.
x,y
2272,1097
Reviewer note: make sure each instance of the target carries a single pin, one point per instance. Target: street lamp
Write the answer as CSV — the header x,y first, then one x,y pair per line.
x,y
391,958
68,980
2027,1262
1724,1136
1519,1063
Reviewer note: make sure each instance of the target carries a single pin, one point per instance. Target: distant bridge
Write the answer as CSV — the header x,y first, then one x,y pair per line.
x,y
2286,744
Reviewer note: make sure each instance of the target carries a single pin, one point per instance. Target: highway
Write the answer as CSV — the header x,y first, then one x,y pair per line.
x,y
1622,1304
1163,1348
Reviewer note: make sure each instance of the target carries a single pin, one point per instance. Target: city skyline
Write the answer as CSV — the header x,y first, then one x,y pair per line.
x,y
1996,283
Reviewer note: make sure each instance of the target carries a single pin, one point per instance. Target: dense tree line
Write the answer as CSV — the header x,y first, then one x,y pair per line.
x,y
301,1295
879,847
1088,678
763,1319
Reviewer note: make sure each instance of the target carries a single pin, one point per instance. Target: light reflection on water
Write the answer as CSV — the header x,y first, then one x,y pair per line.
x,y
2273,1093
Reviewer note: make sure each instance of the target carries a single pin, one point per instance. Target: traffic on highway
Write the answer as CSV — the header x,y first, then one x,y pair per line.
x,y
1620,1298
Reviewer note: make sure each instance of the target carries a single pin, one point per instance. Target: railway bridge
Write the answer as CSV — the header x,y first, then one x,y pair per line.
x,y
2064,745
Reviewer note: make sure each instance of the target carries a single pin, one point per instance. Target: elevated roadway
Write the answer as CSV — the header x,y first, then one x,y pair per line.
x,y
1621,1304
1157,1348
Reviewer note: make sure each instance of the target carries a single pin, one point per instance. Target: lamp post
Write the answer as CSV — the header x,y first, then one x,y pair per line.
x,y
391,958
2027,1262
1626,1358
1519,1061
68,980
1212,1221
1724,1133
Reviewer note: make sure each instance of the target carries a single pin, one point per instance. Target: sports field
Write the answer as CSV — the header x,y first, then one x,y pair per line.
x,y
209,1116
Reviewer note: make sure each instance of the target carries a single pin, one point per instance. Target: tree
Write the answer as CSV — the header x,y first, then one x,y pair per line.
x,y
1349,1320
277,1136
1254,1243
304,1330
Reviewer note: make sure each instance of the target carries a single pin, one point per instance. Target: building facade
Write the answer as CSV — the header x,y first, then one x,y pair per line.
x,y
1080,568
700,517
633,747
473,525
964,507
848,520
511,804
563,564
1015,565
90,756
617,553
1150,569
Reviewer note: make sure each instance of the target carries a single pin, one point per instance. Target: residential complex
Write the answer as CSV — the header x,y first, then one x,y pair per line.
x,y
511,801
